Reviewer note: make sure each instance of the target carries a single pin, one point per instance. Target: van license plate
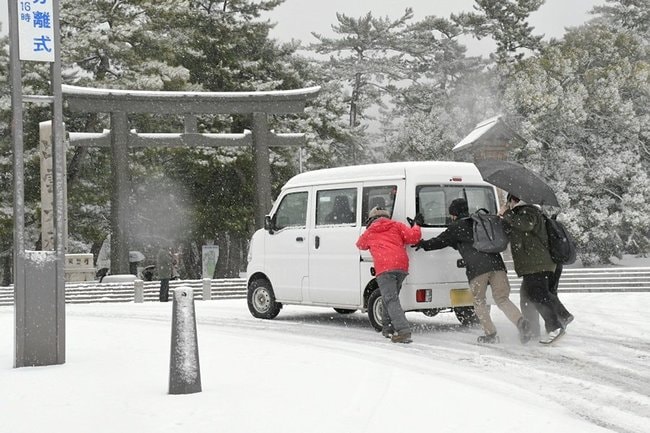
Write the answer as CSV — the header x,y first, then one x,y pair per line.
x,y
460,297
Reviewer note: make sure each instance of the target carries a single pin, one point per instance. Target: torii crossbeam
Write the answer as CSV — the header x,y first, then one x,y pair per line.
x,y
121,103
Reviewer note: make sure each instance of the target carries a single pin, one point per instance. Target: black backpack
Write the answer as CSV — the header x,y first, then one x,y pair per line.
x,y
489,234
560,243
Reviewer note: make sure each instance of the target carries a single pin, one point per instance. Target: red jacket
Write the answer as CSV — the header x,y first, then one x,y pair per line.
x,y
385,239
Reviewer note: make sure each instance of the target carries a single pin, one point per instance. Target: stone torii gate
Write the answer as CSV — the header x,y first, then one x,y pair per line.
x,y
121,103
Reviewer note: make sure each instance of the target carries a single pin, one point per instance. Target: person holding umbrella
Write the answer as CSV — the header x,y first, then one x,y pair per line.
x,y
528,186
164,269
481,269
533,262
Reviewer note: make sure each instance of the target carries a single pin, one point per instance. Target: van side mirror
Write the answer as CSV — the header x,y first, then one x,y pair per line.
x,y
268,224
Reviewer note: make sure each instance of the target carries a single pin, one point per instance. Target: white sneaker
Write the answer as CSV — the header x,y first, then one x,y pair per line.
x,y
552,336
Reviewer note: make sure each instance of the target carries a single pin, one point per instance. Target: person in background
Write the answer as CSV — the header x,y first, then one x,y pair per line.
x,y
386,240
533,262
481,269
164,269
176,261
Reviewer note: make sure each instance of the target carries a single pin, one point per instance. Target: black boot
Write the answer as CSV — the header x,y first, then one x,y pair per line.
x,y
523,326
401,337
488,339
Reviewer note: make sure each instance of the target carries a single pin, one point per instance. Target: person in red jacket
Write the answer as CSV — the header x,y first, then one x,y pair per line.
x,y
386,240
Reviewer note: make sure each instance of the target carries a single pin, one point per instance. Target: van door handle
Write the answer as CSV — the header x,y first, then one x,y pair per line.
x,y
299,239
317,241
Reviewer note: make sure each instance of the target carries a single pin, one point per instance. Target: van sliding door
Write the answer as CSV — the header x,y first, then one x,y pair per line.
x,y
385,194
333,256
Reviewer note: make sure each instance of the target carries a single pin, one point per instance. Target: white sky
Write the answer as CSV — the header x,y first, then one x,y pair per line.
x,y
298,18
311,370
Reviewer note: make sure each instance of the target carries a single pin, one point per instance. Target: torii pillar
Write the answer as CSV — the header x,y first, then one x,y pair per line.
x,y
121,103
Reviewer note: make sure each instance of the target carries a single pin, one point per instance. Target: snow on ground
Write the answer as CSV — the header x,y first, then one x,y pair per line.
x,y
313,370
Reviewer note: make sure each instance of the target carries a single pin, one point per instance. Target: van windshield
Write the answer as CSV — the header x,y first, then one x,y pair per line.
x,y
292,211
433,201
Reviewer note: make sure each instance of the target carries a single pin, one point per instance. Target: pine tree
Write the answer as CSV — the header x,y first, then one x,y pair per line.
x,y
506,22
583,106
441,98
366,58
6,185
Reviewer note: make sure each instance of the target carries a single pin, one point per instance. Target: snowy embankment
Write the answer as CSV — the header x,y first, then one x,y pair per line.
x,y
312,370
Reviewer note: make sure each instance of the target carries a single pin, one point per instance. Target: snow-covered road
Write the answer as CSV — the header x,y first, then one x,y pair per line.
x,y
313,370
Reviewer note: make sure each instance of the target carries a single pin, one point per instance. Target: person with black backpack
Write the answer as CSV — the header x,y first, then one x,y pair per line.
x,y
482,268
563,252
533,262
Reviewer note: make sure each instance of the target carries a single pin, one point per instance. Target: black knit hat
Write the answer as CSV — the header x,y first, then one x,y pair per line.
x,y
512,197
459,207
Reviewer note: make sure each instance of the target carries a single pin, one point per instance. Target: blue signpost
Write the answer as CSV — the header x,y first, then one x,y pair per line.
x,y
39,285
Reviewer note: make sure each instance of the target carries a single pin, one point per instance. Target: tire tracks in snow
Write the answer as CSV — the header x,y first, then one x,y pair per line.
x,y
604,380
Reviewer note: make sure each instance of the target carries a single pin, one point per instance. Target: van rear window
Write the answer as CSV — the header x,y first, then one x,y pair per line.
x,y
433,201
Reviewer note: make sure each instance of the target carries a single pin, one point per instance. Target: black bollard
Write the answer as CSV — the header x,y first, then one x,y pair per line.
x,y
184,370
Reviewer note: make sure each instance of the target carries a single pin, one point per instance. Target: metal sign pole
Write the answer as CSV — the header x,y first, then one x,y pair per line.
x,y
58,173
19,178
39,286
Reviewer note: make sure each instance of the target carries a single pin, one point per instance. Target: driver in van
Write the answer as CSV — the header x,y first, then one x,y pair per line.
x,y
386,240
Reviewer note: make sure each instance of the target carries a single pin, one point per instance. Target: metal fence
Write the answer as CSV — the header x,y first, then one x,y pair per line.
x,y
586,280
94,291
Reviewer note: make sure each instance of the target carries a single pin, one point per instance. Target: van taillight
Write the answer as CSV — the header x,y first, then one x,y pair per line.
x,y
456,179
423,295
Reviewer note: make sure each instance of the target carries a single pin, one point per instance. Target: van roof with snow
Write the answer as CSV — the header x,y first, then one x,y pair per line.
x,y
446,170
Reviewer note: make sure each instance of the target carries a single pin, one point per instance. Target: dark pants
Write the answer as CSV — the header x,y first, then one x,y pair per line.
x,y
390,284
562,312
528,309
535,289
164,290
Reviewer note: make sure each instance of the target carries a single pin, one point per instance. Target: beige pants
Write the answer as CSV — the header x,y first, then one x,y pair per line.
x,y
498,281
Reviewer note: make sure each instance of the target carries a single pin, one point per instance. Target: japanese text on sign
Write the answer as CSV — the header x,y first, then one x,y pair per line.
x,y
36,34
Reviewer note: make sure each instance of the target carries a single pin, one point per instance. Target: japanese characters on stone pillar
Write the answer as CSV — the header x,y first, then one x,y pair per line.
x,y
47,189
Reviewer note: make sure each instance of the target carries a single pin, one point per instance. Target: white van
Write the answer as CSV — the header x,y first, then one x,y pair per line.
x,y
306,253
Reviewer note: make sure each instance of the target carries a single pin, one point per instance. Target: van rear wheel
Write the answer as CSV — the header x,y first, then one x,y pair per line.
x,y
431,312
261,300
376,310
344,311
466,316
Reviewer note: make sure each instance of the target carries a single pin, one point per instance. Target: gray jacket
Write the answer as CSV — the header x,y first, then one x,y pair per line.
x,y
164,264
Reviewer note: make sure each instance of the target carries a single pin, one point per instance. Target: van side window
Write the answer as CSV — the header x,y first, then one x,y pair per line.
x,y
336,206
433,201
378,196
292,211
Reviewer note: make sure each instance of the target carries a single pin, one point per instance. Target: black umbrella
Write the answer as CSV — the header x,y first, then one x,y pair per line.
x,y
517,180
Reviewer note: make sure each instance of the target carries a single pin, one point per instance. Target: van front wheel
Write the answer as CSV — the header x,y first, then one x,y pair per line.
x,y
376,310
261,300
